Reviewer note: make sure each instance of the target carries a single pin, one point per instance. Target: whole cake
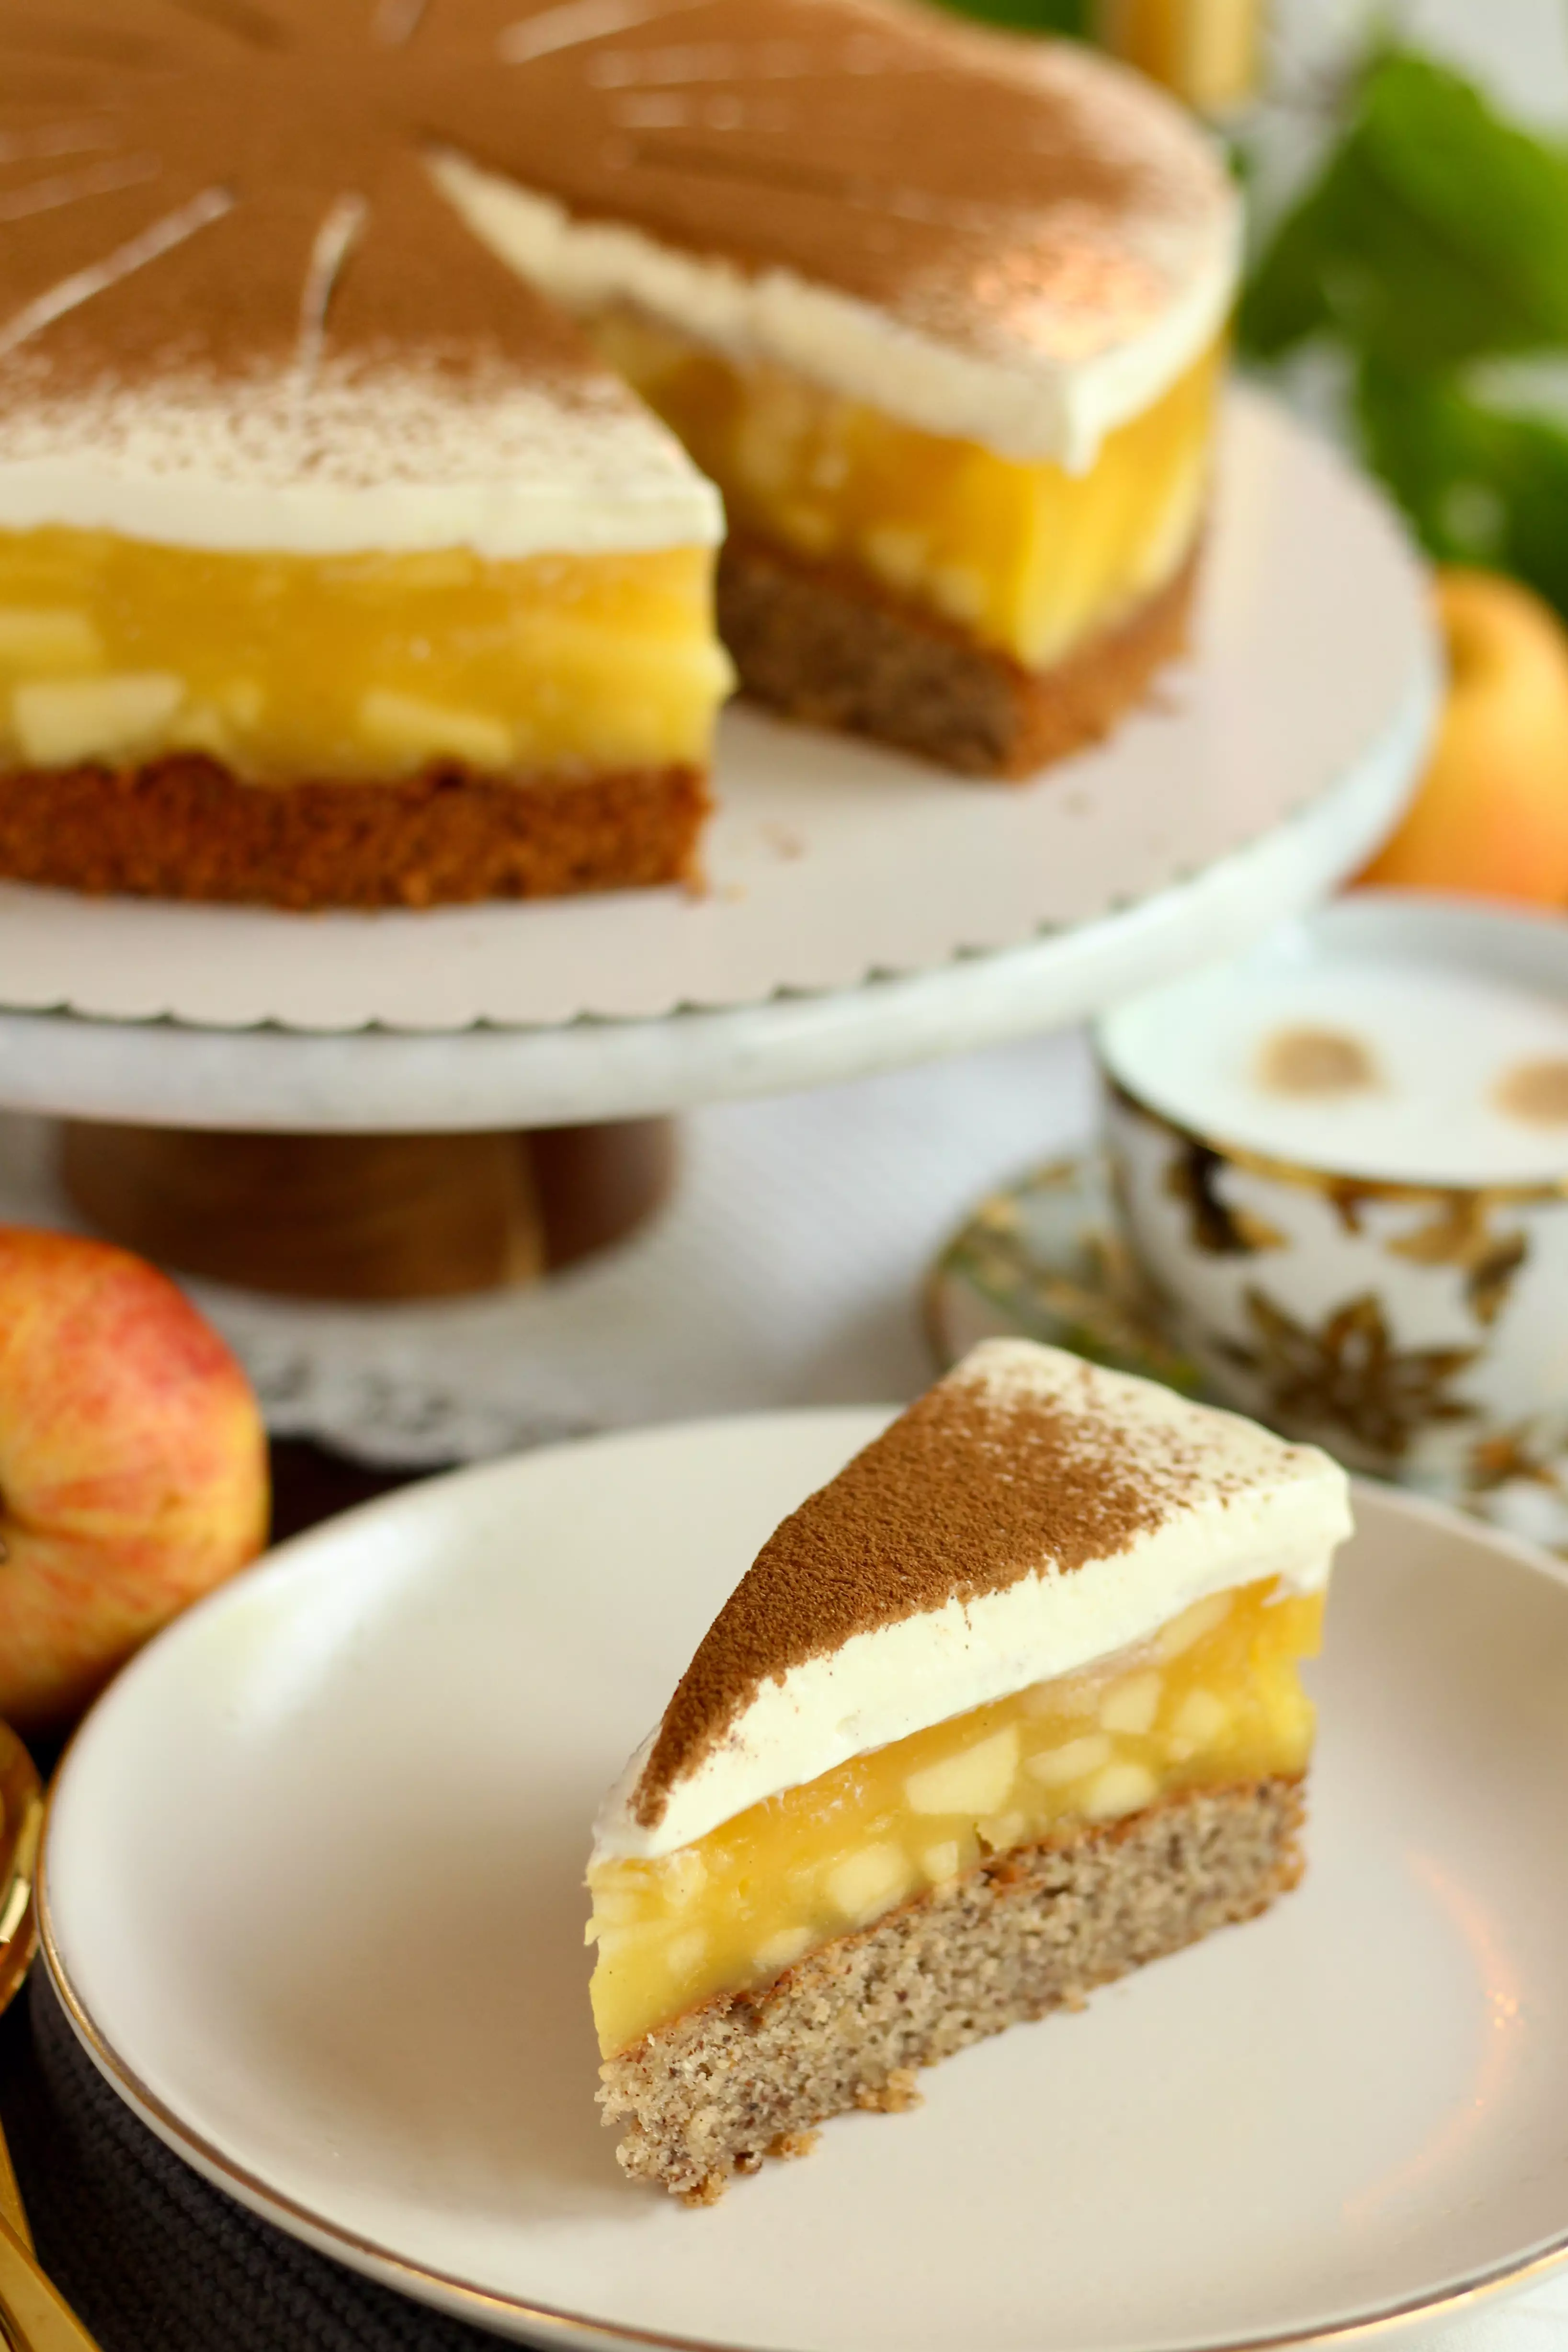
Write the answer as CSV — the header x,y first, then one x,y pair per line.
x,y
344,556
1007,1709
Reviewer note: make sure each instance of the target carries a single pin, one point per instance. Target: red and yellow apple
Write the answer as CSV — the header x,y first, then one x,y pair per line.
x,y
133,1466
1490,816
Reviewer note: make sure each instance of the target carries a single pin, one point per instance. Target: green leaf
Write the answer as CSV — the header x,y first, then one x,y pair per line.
x,y
1286,300
1435,233
1480,485
1029,16
1490,195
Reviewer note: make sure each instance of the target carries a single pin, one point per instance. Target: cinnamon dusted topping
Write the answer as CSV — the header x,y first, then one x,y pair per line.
x,y
836,139
1023,1463
206,197
236,310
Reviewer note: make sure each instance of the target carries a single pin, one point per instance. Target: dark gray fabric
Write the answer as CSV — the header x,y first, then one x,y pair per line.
x,y
153,2260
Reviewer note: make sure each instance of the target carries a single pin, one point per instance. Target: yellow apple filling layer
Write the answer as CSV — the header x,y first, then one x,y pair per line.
x,y
1215,1696
285,666
1027,558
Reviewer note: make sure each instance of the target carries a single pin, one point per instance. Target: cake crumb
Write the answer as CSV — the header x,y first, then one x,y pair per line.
x,y
899,2096
791,2145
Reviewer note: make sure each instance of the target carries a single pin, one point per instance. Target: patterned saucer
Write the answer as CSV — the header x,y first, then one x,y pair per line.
x,y
1045,1257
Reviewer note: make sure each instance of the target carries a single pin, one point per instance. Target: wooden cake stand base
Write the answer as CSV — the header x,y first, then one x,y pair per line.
x,y
368,1216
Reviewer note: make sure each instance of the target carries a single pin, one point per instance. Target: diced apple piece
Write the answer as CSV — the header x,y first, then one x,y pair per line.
x,y
617,1943
685,1952
566,645
1075,1760
93,717
772,432
201,728
897,552
959,591
1121,1787
1063,1696
1193,1624
1131,1705
782,1951
682,1877
940,1862
1199,1721
40,638
808,526
616,1906
869,1883
1001,1830
976,1781
412,728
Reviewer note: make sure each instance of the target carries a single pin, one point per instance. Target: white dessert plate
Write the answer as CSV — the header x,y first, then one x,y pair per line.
x,y
313,1898
831,862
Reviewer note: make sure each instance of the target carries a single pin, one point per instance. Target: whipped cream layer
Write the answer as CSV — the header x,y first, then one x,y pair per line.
x,y
1026,373
351,461
1258,1508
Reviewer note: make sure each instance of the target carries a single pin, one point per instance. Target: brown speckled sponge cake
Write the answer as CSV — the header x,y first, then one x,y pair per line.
x,y
183,827
1009,1707
841,651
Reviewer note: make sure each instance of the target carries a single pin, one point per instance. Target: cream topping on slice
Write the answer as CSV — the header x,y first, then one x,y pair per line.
x,y
1027,1516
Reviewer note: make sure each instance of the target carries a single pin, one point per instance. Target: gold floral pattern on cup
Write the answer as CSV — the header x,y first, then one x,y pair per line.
x,y
1414,1328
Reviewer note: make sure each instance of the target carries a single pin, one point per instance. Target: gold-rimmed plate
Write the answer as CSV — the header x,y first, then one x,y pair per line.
x,y
312,1897
21,1821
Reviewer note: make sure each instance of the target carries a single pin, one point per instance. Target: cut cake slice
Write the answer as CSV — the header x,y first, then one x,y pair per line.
x,y
1008,1708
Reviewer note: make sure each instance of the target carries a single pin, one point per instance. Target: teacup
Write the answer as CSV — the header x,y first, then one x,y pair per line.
x,y
1343,1167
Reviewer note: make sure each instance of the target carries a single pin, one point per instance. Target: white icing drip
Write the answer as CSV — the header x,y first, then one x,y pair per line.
x,y
334,241
1256,1507
1015,396
396,459
397,21
54,139
579,21
75,187
83,285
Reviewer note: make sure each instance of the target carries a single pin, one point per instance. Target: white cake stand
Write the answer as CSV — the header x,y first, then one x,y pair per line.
x,y
864,912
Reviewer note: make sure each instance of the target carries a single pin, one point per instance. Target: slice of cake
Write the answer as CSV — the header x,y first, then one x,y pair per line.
x,y
1008,1708
939,311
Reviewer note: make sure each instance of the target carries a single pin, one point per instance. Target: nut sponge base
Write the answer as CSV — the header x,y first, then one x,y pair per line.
x,y
184,826
748,2074
833,648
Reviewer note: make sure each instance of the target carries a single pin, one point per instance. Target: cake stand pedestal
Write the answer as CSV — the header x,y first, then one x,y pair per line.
x,y
863,913
368,1217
